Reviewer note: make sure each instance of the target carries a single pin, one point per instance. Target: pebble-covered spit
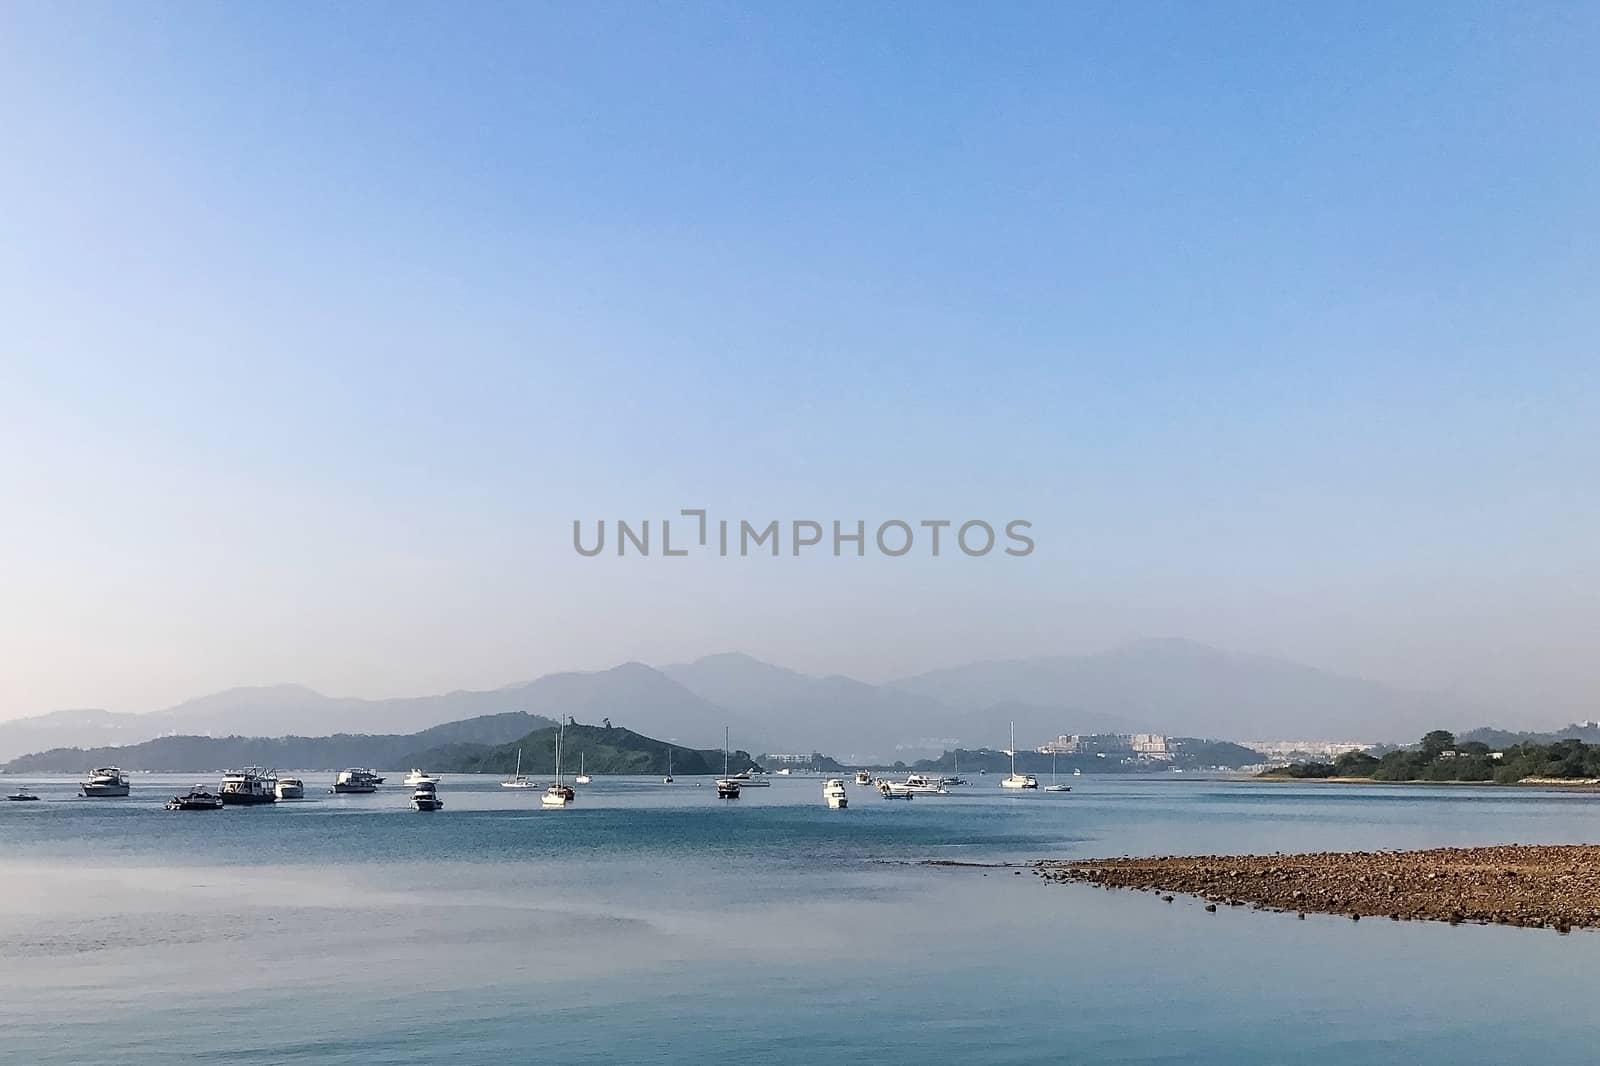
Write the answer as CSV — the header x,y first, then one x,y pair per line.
x,y
1555,886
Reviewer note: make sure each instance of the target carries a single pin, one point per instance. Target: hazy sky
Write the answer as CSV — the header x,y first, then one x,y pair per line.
x,y
319,324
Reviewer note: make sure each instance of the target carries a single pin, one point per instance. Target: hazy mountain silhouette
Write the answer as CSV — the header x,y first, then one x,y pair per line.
x,y
1176,687
1184,688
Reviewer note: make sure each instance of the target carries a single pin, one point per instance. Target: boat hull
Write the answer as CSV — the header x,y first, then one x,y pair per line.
x,y
427,805
247,799
354,790
104,791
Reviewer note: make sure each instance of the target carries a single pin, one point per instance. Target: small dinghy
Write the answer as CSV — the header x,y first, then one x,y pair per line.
x,y
22,795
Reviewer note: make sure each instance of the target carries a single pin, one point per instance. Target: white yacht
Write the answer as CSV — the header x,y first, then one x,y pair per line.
x,y
426,796
752,778
417,777
833,792
1017,780
356,782
582,778
517,779
924,786
248,787
894,790
558,794
863,777
106,781
291,788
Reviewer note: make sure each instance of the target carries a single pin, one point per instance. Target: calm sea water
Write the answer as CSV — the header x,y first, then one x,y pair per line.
x,y
653,923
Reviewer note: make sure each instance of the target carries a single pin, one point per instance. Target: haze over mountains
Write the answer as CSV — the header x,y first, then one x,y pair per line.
x,y
1169,686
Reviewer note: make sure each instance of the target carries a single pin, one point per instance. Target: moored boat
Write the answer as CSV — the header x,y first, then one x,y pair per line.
x,y
426,797
196,799
355,782
558,794
249,787
863,777
108,781
894,790
291,788
1016,780
727,787
22,795
417,777
834,794
517,778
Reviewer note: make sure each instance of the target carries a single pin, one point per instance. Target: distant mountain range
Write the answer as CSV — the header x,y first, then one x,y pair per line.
x,y
1175,687
1588,732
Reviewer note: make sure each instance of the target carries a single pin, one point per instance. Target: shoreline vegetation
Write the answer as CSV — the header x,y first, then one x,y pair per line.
x,y
1439,759
1528,885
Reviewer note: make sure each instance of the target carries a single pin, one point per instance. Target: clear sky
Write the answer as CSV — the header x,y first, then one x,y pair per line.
x,y
319,324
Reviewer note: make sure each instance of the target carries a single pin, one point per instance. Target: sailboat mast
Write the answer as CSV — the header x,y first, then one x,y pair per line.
x,y
724,751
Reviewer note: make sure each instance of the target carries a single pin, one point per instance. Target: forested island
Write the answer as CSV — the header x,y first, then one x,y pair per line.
x,y
1439,757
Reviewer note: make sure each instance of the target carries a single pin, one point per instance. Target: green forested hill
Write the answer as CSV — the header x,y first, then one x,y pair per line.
x,y
603,750
182,754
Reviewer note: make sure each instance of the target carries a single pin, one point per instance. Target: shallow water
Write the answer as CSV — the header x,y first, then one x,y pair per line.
x,y
655,923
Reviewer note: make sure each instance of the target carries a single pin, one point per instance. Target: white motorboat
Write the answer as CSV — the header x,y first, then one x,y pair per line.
x,y
356,782
1017,780
426,797
863,777
517,780
582,778
750,778
834,794
727,787
291,788
22,795
924,786
894,790
248,787
417,777
558,794
108,781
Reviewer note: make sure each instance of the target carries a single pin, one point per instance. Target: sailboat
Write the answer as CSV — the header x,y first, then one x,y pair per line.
x,y
727,787
1017,780
668,779
1054,787
516,780
582,778
558,795
957,779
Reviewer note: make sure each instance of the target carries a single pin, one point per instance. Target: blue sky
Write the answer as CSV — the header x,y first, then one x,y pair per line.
x,y
319,325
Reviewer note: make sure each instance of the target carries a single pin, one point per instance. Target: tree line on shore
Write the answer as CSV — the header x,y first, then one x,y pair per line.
x,y
1439,757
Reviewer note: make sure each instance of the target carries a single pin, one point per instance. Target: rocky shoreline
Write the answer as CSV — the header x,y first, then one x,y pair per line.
x,y
1536,886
